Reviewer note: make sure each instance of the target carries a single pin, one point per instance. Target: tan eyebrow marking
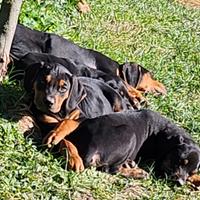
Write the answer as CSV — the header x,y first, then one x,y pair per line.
x,y
61,82
48,78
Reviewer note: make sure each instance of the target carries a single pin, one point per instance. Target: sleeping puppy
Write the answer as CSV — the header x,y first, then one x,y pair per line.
x,y
134,96
64,100
140,78
109,141
27,40
57,92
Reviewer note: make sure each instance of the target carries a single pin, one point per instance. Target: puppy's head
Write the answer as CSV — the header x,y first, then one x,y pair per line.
x,y
140,78
53,86
180,162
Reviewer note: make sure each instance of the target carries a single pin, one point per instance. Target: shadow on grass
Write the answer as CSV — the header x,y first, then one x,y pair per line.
x,y
11,96
15,107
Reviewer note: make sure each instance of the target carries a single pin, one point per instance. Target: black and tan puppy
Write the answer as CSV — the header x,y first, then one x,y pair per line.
x,y
107,142
65,100
31,59
27,40
140,78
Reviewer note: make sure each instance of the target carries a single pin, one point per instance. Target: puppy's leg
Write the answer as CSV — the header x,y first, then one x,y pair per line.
x,y
75,161
60,132
129,164
136,172
149,85
63,129
195,180
56,136
135,96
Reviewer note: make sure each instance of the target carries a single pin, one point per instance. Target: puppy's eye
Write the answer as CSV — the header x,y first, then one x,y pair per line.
x,y
62,89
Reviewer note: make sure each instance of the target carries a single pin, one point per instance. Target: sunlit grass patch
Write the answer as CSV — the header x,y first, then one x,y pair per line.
x,y
163,36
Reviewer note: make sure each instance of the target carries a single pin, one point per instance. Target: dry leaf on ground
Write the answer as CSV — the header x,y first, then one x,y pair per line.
x,y
83,6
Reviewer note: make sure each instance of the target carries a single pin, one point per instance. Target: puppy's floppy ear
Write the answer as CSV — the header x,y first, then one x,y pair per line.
x,y
31,73
76,95
131,73
140,78
194,157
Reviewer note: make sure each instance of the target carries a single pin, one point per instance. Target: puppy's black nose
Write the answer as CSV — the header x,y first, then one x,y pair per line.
x,y
49,101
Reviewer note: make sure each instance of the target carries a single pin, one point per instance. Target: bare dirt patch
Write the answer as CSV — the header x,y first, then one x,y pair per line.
x,y
190,3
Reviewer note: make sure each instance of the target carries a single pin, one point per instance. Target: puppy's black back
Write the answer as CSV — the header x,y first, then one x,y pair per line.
x,y
163,136
116,137
143,134
27,40
101,99
61,47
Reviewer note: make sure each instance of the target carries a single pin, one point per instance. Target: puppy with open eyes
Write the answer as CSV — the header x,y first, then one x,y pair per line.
x,y
63,101
109,141
31,61
57,92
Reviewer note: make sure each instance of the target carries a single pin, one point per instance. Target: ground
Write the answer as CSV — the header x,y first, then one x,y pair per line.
x,y
161,35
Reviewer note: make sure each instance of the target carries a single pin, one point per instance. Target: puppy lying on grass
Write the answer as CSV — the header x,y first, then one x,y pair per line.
x,y
109,141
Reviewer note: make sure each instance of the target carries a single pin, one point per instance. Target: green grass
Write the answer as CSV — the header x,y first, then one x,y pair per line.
x,y
161,35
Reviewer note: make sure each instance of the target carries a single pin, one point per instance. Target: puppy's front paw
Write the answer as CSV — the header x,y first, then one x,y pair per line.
x,y
76,164
136,173
74,160
195,181
53,138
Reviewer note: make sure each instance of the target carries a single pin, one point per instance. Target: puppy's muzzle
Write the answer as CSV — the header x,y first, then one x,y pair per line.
x,y
49,101
180,177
